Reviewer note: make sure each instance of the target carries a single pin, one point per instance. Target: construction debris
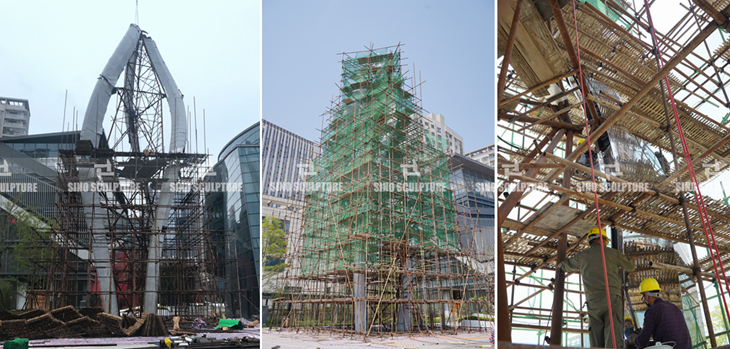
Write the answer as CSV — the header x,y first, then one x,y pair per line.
x,y
67,322
204,342
66,314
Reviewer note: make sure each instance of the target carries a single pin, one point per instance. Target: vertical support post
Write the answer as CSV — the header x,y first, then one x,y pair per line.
x,y
697,270
722,310
508,51
556,327
682,199
685,212
618,236
504,327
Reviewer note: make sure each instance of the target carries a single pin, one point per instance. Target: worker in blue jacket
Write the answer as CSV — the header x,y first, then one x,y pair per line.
x,y
663,321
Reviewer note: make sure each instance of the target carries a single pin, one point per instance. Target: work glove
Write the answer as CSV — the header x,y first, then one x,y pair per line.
x,y
632,338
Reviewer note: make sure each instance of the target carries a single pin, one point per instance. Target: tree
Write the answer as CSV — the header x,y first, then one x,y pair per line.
x,y
274,240
718,324
33,251
7,286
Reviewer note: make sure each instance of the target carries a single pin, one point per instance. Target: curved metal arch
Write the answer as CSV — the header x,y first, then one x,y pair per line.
x,y
92,128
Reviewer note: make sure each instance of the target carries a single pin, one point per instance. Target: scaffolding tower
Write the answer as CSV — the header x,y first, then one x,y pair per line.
x,y
381,249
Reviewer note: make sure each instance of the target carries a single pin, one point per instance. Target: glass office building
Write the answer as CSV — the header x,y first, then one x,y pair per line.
x,y
475,205
235,224
28,180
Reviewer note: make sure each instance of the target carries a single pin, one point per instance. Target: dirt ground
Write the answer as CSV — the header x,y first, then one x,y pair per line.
x,y
292,340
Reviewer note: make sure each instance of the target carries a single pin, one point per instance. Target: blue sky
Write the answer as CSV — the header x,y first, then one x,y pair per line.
x,y
211,49
451,44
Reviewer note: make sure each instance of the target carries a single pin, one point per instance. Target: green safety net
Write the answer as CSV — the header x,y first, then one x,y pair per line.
x,y
372,148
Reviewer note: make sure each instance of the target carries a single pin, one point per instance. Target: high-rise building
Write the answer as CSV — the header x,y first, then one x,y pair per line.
x,y
441,136
235,222
486,155
14,117
285,158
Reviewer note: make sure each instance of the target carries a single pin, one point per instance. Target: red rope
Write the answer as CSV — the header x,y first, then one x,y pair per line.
x,y
698,195
593,176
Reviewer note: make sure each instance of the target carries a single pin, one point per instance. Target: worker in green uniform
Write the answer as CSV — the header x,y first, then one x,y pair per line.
x,y
588,263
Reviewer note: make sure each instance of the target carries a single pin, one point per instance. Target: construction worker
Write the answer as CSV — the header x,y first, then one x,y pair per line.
x,y
588,263
663,321
628,326
630,332
583,160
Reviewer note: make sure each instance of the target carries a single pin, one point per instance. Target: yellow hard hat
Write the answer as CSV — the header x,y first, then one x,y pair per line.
x,y
627,317
649,285
593,234
580,141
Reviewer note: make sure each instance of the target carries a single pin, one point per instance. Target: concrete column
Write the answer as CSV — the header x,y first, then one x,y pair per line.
x,y
359,291
152,274
99,242
154,252
404,310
